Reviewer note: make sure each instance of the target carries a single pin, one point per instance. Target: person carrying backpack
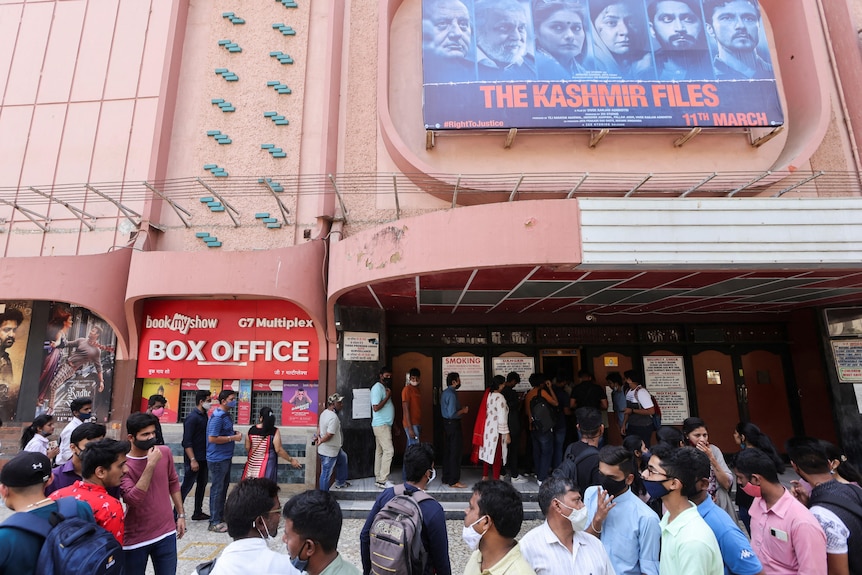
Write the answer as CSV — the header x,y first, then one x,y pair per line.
x,y
541,403
22,485
424,546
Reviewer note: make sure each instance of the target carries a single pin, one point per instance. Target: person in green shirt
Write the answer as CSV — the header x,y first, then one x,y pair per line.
x,y
311,531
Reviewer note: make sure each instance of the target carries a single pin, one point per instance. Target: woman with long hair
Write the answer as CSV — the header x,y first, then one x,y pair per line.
x,y
619,39
35,436
720,477
495,438
55,340
560,36
641,454
263,443
747,435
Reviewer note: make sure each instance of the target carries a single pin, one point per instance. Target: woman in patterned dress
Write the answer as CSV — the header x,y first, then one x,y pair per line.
x,y
263,443
496,438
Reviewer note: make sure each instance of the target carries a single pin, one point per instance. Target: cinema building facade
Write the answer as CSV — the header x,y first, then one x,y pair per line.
x,y
258,197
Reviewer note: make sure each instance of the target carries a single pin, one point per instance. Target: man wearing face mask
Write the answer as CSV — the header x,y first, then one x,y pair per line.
x,y
451,410
560,546
628,528
156,406
252,513
419,466
311,531
736,551
82,411
149,487
491,522
195,452
221,439
332,456
382,417
687,543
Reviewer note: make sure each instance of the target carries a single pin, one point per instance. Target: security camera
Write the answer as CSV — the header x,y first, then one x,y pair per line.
x,y
590,317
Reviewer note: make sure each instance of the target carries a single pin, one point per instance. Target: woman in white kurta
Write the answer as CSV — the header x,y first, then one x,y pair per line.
x,y
496,437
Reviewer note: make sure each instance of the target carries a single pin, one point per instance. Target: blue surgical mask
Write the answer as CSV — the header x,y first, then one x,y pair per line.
x,y
231,404
299,564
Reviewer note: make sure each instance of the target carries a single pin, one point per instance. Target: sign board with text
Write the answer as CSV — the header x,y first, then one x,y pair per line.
x,y
664,377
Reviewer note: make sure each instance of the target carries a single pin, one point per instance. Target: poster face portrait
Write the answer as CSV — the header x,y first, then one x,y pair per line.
x,y
14,329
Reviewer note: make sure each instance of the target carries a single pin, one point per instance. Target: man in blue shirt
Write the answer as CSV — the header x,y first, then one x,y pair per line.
x,y
382,417
419,467
452,411
220,442
628,528
736,552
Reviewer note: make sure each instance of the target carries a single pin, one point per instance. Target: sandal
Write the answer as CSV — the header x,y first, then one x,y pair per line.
x,y
219,527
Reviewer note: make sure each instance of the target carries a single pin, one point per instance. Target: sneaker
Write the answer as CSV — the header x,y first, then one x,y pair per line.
x,y
218,527
519,479
200,517
380,484
539,482
344,485
388,484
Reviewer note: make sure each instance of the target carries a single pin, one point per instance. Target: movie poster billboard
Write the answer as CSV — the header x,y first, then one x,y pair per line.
x,y
167,388
78,361
14,329
299,403
490,64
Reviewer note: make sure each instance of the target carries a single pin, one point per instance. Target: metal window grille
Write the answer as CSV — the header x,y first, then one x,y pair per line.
x,y
270,399
187,403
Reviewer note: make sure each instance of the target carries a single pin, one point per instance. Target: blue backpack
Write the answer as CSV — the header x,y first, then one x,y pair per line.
x,y
73,546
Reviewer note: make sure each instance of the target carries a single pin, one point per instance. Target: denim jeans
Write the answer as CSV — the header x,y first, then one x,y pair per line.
x,y
220,479
543,450
559,443
163,553
417,429
327,463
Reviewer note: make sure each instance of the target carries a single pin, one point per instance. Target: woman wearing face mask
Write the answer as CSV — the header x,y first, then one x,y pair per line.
x,y
551,544
35,436
252,513
263,444
635,445
560,35
495,438
747,435
720,477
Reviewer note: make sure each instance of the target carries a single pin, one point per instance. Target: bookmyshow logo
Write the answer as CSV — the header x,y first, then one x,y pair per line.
x,y
181,323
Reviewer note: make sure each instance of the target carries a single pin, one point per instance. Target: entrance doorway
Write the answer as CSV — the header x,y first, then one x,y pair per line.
x,y
554,361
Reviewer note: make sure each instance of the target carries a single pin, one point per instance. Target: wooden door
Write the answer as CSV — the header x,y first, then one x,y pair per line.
x,y
401,364
717,404
766,393
602,366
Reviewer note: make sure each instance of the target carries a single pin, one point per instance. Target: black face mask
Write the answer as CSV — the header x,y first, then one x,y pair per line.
x,y
145,445
614,486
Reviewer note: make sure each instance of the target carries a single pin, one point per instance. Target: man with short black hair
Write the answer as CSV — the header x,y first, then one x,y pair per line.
x,y
419,467
542,440
677,27
252,513
149,487
382,418
451,410
492,520
581,462
195,452
221,439
10,320
560,546
735,26
311,531
628,528
329,442
103,464
687,543
735,548
837,506
70,472
22,486
785,536
82,411
513,400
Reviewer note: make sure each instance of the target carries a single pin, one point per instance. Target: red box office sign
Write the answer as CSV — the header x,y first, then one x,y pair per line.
x,y
263,339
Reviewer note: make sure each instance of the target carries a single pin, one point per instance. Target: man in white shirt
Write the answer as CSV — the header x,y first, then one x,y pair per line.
x,y
82,411
332,456
559,546
252,513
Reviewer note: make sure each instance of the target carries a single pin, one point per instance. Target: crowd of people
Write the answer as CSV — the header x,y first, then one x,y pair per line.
x,y
642,507
508,40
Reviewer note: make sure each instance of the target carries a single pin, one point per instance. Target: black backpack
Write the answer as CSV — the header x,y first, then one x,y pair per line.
x,y
72,545
568,469
544,416
396,535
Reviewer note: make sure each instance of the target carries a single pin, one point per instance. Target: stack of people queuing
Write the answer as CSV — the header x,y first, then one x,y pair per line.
x,y
664,501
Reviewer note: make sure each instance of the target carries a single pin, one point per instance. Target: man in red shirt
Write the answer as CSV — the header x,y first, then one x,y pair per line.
x,y
103,464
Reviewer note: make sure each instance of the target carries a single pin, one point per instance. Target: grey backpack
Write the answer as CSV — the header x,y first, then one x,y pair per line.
x,y
396,535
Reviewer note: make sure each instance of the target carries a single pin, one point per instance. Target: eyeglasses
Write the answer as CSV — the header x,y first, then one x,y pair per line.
x,y
276,510
650,473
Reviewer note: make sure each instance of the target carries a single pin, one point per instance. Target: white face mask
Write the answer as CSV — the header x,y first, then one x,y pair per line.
x,y
471,536
433,475
578,517
265,528
206,405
